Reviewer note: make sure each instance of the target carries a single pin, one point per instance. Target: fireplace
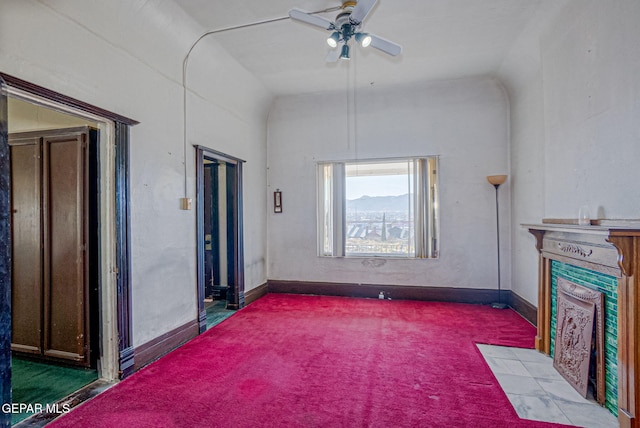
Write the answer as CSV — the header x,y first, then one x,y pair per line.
x,y
604,257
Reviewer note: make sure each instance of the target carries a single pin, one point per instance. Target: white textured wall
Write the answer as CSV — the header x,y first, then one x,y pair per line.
x,y
591,69
463,121
575,102
126,56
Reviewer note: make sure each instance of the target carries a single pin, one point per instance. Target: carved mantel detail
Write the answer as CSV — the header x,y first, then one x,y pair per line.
x,y
613,248
574,249
624,246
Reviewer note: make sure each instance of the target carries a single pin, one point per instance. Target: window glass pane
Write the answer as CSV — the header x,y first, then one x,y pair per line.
x,y
379,209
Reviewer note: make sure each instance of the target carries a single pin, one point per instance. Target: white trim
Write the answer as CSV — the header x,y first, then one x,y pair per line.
x,y
378,160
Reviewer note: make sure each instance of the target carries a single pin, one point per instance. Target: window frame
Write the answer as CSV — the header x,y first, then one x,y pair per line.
x,y
331,207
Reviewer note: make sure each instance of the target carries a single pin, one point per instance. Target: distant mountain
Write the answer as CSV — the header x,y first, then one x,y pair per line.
x,y
379,203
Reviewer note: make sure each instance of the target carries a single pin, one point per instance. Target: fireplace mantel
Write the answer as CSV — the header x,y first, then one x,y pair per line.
x,y
613,248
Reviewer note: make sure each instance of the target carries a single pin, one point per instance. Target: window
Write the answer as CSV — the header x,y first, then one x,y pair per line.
x,y
382,208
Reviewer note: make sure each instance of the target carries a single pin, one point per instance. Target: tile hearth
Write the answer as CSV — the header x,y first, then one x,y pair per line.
x,y
538,392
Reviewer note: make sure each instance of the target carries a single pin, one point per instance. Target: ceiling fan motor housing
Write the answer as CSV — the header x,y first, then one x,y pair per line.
x,y
342,23
349,3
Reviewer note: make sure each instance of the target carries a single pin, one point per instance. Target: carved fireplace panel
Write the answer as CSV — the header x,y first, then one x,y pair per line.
x,y
578,308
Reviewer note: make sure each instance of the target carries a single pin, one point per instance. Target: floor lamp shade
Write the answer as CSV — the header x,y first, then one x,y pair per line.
x,y
496,181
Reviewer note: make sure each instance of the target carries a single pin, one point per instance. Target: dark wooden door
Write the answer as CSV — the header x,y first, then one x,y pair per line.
x,y
26,197
51,292
65,209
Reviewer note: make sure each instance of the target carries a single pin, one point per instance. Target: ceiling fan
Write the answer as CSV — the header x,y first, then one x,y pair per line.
x,y
346,27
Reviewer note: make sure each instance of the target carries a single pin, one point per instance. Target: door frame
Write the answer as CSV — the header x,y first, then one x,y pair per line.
x,y
5,259
115,234
236,300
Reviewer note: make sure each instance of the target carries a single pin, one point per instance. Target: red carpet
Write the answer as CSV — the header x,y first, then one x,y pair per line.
x,y
315,361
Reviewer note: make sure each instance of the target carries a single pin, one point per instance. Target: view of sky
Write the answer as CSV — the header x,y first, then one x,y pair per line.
x,y
388,185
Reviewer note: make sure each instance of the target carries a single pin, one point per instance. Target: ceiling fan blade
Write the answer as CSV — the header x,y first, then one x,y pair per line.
x,y
334,54
318,21
360,12
385,45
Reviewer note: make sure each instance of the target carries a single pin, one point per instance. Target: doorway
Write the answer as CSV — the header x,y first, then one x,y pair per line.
x,y
28,107
55,304
220,249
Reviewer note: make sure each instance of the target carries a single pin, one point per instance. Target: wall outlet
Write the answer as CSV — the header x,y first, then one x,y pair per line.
x,y
381,295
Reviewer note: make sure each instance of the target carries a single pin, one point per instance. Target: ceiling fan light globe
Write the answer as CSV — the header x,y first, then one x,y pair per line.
x,y
333,39
364,39
344,54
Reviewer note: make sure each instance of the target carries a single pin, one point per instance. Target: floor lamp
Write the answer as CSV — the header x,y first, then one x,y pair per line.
x,y
496,181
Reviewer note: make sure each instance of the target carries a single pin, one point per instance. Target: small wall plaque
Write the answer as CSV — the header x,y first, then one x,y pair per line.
x,y
277,201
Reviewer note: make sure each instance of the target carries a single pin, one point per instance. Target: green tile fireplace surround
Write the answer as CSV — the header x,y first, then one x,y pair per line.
x,y
603,256
608,285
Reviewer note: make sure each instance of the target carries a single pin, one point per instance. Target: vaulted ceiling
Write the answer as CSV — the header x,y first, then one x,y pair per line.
x,y
441,39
